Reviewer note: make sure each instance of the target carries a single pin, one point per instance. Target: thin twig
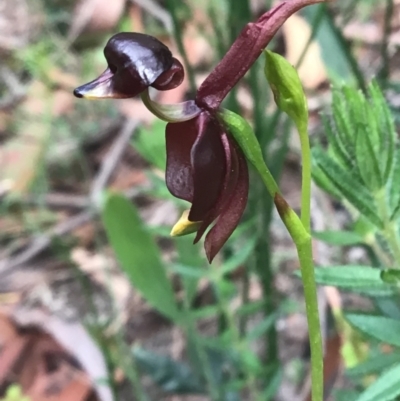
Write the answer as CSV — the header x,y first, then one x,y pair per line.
x,y
111,160
385,69
44,241
16,88
157,12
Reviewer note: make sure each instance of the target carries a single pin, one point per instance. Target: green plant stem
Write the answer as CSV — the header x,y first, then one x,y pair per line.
x,y
304,250
305,176
303,242
300,233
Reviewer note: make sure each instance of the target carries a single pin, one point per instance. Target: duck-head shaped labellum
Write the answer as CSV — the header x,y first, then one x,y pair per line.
x,y
135,62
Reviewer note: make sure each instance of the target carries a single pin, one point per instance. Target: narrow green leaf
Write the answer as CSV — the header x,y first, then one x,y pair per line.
x,y
385,388
337,148
323,181
344,118
367,161
351,189
381,328
340,238
150,143
386,127
238,258
138,254
361,279
261,328
374,365
273,386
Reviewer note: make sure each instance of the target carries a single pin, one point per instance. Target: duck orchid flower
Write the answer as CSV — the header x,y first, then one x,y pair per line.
x,y
205,165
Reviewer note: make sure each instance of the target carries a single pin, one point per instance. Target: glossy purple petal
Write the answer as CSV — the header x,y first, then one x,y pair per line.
x,y
209,166
230,216
253,39
230,180
180,138
135,62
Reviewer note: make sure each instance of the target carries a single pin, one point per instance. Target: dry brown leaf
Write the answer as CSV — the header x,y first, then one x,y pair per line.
x,y
70,337
297,32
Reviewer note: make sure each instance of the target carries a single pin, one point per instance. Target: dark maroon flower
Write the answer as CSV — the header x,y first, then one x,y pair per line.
x,y
206,167
204,164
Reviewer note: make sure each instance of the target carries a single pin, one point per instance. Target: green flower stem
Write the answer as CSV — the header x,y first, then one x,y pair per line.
x,y
172,113
305,175
302,240
299,232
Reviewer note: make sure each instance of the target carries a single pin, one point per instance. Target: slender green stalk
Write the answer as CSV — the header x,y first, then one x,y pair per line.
x,y
302,240
304,250
305,176
299,230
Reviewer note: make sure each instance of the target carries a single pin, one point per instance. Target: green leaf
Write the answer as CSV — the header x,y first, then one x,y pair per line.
x,y
381,328
150,143
385,388
188,254
170,375
340,238
350,188
238,258
323,181
394,187
361,279
385,125
374,365
336,147
138,254
367,161
261,328
286,87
